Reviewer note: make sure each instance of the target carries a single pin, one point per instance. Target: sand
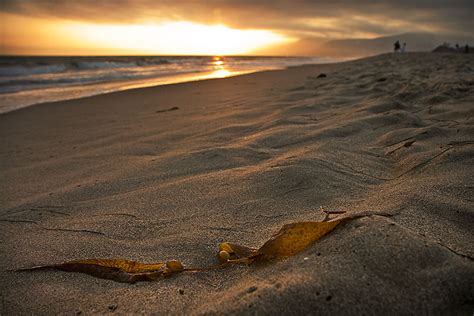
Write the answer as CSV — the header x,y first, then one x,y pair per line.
x,y
169,172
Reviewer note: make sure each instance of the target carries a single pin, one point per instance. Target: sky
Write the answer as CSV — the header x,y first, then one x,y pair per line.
x,y
213,27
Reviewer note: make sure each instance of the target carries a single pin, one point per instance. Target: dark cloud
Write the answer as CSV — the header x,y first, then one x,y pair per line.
x,y
302,18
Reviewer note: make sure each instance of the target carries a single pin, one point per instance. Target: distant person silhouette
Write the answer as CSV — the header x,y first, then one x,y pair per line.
x,y
404,47
396,46
466,49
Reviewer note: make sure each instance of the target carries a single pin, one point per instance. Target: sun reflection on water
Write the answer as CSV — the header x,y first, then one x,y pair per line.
x,y
220,69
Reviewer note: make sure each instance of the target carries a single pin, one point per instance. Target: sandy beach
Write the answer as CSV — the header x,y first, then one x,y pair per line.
x,y
169,172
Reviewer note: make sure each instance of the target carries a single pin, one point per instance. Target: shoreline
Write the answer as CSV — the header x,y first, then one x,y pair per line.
x,y
140,84
151,84
64,78
168,172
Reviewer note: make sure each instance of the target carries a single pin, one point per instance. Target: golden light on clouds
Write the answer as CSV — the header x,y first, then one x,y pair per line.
x,y
169,38
175,38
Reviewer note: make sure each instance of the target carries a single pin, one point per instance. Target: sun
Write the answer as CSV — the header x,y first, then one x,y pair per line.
x,y
36,35
173,38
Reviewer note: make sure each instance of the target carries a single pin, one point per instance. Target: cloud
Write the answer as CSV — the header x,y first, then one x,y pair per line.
x,y
301,18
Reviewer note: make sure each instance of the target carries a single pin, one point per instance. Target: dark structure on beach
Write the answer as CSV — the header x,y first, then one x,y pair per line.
x,y
447,48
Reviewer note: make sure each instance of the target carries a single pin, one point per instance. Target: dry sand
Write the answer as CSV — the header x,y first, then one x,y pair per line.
x,y
117,176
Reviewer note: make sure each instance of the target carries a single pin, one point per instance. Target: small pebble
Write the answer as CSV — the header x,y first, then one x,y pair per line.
x,y
322,76
181,291
252,289
113,307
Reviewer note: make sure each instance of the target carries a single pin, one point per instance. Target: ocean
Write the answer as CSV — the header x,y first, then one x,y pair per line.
x,y
25,81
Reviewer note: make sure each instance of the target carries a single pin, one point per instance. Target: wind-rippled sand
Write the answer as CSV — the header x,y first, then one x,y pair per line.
x,y
169,172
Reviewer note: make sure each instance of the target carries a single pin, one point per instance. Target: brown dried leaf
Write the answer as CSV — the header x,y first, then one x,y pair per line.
x,y
121,264
290,240
294,238
118,269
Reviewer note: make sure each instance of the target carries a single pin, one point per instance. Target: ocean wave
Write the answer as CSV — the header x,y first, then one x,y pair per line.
x,y
28,70
29,80
86,65
15,84
18,67
41,67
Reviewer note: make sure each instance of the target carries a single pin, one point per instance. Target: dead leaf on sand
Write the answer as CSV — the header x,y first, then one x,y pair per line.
x,y
119,270
290,240
294,238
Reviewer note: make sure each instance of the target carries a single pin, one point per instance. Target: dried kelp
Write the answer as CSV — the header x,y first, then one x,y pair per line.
x,y
290,240
119,270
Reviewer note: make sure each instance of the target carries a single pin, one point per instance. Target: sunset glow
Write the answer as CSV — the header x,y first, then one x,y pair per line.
x,y
175,38
170,38
227,27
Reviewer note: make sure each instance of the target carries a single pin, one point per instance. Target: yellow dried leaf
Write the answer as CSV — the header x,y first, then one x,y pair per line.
x,y
294,238
118,269
290,240
121,264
